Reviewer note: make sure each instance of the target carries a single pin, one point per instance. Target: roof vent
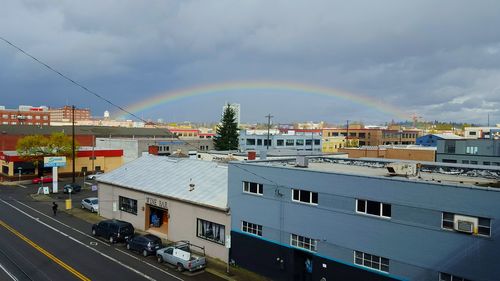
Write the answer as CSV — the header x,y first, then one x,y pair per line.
x,y
191,185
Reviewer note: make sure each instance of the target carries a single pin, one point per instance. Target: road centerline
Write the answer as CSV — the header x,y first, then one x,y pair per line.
x,y
44,252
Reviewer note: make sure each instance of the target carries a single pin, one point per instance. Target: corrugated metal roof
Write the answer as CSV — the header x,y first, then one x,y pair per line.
x,y
172,177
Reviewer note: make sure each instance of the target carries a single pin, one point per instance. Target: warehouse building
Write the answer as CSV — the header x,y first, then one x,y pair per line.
x,y
176,199
343,219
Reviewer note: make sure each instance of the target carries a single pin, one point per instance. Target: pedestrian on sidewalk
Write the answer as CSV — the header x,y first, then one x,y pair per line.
x,y
54,208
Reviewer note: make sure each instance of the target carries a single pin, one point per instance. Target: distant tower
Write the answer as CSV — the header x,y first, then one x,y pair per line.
x,y
106,114
236,108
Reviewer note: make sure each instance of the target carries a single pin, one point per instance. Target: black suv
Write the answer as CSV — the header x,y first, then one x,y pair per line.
x,y
147,244
74,187
113,230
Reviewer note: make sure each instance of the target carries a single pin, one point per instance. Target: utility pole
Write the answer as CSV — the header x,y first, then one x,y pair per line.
x,y
73,140
347,135
269,116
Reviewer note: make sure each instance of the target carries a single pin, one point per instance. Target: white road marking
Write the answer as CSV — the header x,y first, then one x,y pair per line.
x,y
132,256
22,186
61,223
81,243
8,273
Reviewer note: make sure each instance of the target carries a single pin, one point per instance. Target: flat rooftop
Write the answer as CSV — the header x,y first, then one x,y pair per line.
x,y
430,172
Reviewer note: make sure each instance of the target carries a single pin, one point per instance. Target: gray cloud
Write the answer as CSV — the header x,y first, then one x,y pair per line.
x,y
440,59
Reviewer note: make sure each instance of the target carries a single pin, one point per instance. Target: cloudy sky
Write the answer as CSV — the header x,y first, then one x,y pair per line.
x,y
437,59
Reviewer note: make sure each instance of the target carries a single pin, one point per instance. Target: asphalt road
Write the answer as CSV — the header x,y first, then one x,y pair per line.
x,y
34,245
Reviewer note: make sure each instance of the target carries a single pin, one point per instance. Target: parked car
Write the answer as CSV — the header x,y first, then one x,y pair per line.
x,y
74,187
94,176
91,203
42,179
145,244
113,230
180,255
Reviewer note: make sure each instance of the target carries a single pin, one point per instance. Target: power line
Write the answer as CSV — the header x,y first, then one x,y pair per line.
x,y
59,73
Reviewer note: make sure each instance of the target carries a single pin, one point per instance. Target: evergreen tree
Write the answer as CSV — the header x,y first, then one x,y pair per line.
x,y
227,131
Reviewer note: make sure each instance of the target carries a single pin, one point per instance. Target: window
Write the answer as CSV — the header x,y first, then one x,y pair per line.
x,y
280,142
483,224
471,150
37,117
335,134
128,205
473,162
305,196
362,135
251,228
465,161
250,141
303,242
299,142
5,116
447,220
259,141
373,208
472,133
289,142
45,118
266,142
211,231
252,187
317,142
486,163
449,277
371,261
308,142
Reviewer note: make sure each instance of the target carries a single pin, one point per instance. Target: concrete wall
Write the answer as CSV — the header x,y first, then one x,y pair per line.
x,y
487,151
182,224
413,240
130,147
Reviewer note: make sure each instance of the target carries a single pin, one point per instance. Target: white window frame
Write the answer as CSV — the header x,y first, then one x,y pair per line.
x,y
260,188
381,209
365,260
452,277
310,196
303,242
252,228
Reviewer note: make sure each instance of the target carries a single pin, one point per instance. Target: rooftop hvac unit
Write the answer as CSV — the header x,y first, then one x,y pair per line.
x,y
465,224
402,169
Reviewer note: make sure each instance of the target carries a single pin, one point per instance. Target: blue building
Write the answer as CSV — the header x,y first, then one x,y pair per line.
x,y
431,139
333,219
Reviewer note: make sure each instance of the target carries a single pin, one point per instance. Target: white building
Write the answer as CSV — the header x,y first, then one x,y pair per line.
x,y
176,199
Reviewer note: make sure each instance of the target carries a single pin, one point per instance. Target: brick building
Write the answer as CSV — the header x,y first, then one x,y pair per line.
x,y
25,115
64,114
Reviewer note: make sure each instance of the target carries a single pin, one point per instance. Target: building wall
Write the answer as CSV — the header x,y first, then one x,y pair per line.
x,y
130,147
182,224
299,141
364,152
412,239
481,151
411,154
65,114
24,117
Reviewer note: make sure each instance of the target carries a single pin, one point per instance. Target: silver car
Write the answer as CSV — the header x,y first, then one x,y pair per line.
x,y
91,203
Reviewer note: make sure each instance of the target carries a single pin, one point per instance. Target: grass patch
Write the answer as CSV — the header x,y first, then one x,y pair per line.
x,y
41,197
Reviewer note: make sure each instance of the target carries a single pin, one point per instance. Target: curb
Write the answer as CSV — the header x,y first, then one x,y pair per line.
x,y
219,274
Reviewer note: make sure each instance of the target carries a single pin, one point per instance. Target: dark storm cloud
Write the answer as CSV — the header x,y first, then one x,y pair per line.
x,y
433,58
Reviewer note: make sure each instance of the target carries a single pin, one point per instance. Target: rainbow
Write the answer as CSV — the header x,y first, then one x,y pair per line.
x,y
281,86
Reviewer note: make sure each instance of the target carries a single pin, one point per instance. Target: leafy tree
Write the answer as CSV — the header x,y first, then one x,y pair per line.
x,y
34,148
227,131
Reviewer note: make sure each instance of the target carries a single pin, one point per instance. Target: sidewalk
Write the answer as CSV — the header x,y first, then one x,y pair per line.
x,y
214,266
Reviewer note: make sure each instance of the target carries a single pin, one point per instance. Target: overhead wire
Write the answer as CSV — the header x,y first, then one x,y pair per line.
x,y
86,89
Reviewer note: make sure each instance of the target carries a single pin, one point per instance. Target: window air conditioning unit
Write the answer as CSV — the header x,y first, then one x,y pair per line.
x,y
465,224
